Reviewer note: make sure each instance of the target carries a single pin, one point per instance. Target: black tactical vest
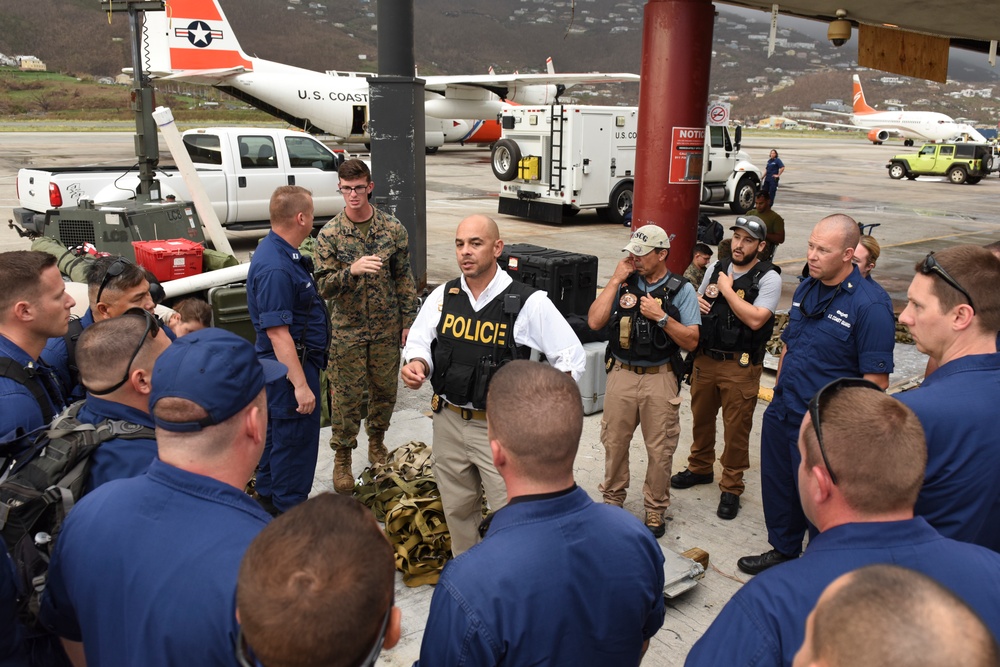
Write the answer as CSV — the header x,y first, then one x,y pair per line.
x,y
634,337
721,330
471,346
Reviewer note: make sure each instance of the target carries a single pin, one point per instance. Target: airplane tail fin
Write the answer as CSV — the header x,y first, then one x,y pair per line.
x,y
860,105
189,37
549,67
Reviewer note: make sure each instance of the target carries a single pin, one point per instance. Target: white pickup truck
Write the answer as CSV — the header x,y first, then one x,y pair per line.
x,y
239,166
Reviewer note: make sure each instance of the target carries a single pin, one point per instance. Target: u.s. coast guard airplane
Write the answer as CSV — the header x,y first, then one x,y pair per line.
x,y
193,41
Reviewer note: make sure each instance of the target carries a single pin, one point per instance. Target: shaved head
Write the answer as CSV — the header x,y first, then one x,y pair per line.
x,y
844,226
889,615
482,226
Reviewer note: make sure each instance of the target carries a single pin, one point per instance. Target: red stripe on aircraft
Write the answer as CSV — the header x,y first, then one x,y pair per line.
x,y
206,10
195,59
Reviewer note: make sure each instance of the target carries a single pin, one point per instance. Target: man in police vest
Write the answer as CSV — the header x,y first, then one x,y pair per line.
x,y
466,329
737,300
653,314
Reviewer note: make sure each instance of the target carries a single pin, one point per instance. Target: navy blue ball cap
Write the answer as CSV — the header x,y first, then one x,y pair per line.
x,y
215,369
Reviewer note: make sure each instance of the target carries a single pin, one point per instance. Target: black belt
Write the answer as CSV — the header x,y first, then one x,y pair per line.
x,y
719,355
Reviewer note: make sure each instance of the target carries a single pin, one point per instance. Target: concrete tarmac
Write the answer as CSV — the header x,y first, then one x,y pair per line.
x,y
822,176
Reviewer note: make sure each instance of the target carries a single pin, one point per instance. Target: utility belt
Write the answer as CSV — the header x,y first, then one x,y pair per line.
x,y
744,359
468,414
645,370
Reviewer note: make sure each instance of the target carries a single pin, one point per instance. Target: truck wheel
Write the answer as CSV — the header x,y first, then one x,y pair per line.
x,y
620,202
896,171
602,213
504,159
957,175
972,180
743,198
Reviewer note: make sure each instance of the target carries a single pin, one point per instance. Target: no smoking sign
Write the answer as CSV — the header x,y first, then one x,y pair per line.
x,y
718,114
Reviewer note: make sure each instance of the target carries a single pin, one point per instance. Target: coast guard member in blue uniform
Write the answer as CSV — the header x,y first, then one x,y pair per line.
x,y
144,571
292,326
116,359
839,326
558,579
859,492
34,306
953,314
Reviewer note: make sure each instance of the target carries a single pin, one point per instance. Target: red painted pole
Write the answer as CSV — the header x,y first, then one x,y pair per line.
x,y
673,97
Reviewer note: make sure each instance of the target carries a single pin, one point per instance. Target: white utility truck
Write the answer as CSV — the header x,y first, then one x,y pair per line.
x,y
554,161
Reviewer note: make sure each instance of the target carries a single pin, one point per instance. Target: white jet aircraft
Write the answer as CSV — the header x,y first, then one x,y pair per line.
x,y
193,41
907,125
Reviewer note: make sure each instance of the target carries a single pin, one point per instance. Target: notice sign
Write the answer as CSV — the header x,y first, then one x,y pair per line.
x,y
687,149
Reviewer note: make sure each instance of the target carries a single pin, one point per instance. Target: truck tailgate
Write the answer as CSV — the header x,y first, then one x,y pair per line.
x,y
33,189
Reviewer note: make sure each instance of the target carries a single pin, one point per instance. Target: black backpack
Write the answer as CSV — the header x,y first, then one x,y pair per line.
x,y
44,473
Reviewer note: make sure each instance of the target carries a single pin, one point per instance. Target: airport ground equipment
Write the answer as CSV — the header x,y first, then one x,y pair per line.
x,y
557,160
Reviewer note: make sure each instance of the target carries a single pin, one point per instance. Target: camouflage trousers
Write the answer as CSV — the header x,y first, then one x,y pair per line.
x,y
357,366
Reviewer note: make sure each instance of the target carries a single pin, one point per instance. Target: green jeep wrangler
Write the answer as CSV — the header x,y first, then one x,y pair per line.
x,y
961,162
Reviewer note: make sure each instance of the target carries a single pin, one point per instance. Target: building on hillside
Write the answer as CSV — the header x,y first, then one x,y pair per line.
x,y
30,63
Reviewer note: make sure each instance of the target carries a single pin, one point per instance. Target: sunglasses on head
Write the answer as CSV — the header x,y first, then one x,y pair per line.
x,y
152,326
930,265
116,269
821,399
752,225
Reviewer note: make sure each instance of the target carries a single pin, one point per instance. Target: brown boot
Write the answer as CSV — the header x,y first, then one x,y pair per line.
x,y
343,478
377,452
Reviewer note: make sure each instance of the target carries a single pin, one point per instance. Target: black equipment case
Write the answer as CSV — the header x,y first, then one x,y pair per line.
x,y
569,278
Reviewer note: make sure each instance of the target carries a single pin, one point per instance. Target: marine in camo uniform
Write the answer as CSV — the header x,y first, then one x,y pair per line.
x,y
363,270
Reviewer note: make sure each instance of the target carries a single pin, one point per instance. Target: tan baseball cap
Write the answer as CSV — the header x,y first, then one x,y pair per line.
x,y
646,239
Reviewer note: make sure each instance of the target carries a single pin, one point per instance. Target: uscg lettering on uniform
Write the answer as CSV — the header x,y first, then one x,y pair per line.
x,y
476,331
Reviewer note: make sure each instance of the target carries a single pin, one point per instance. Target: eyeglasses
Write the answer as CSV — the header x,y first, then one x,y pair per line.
x,y
152,325
931,265
822,398
752,226
245,655
348,189
116,269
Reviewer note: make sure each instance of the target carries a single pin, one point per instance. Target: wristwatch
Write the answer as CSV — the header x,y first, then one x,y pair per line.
x,y
662,322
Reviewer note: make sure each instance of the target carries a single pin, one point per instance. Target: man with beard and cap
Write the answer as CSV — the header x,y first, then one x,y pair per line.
x,y
737,299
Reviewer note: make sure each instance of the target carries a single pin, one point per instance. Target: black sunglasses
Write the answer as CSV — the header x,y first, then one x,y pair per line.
x,y
822,306
931,265
152,325
245,655
818,401
116,269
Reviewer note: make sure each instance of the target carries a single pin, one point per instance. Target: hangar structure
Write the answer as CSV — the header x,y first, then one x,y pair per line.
x,y
910,38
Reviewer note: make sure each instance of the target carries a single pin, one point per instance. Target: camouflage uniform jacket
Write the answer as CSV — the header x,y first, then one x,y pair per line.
x,y
369,306
695,275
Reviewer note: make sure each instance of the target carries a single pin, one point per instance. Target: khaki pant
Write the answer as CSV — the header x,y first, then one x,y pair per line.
x,y
650,401
463,468
724,384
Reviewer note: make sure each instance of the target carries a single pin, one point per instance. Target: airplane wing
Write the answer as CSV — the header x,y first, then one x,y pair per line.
x,y
441,83
892,133
208,77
